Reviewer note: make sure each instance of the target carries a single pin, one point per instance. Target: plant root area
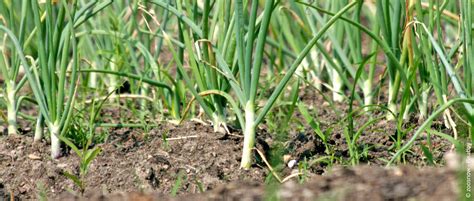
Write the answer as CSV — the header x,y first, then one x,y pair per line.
x,y
192,162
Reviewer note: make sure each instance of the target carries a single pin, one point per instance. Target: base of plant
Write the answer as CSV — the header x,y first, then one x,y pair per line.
x,y
393,108
424,105
39,130
337,86
368,97
219,124
11,110
55,143
12,124
249,137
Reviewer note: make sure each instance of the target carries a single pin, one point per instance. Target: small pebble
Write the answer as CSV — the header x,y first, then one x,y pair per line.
x,y
34,157
398,172
292,163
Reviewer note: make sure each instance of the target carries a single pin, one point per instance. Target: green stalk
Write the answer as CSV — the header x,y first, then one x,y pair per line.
x,y
316,74
250,125
367,88
337,40
239,34
468,47
431,65
389,17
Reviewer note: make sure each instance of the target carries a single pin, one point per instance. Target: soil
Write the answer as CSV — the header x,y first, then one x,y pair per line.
x,y
131,162
359,183
196,163
207,161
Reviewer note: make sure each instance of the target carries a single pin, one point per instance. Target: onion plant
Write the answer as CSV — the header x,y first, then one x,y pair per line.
x,y
390,17
53,78
441,71
136,40
10,64
249,63
204,76
201,60
347,51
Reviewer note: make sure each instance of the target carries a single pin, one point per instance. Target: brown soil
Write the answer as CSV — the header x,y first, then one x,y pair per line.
x,y
134,160
359,183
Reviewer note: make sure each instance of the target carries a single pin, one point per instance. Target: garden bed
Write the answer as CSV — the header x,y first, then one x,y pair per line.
x,y
236,100
196,163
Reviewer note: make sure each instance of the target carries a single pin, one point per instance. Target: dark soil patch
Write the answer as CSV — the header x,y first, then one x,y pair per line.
x,y
134,161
